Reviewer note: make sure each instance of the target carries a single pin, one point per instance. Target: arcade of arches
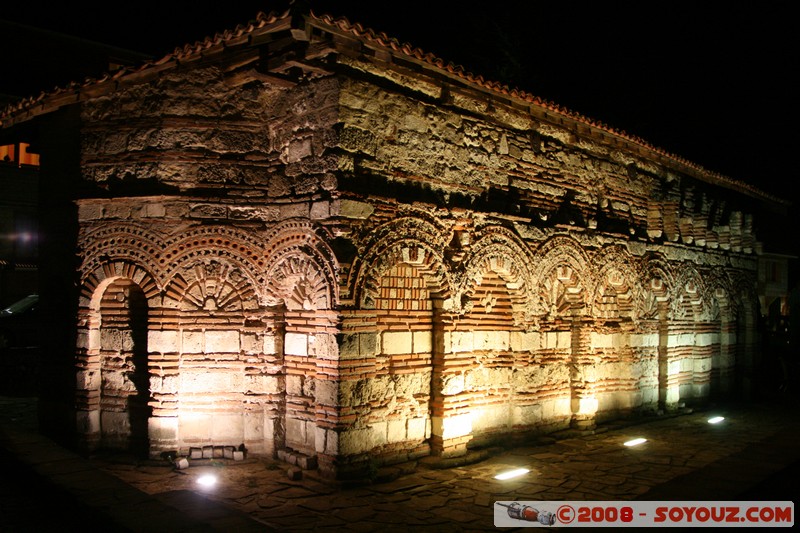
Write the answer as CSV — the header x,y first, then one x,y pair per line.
x,y
227,337
306,240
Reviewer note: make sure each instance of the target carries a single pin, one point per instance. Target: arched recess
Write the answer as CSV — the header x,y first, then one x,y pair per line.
x,y
654,321
301,326
204,342
205,339
617,294
395,343
406,235
616,297
499,253
559,272
561,283
230,255
129,243
490,384
722,329
113,364
689,358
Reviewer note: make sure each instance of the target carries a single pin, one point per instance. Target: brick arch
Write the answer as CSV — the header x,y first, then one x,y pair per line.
x,y
616,290
298,281
402,281
211,284
744,297
692,343
299,267
688,291
215,267
412,223
497,250
121,250
410,241
95,281
560,271
718,292
112,361
657,284
300,289
745,308
722,313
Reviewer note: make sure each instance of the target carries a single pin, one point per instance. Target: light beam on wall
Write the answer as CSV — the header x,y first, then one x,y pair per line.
x,y
716,419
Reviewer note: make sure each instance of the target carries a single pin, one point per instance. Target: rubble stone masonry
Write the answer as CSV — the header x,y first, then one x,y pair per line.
x,y
338,253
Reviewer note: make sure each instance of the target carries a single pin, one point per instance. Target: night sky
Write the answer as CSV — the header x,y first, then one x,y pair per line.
x,y
709,81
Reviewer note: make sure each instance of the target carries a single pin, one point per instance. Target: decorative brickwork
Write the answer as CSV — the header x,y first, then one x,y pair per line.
x,y
329,249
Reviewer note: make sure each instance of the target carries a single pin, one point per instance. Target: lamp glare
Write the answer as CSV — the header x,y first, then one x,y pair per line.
x,y
716,419
207,480
512,473
635,442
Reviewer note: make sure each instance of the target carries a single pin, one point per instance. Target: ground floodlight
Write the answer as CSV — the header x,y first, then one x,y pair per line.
x,y
511,473
207,480
635,442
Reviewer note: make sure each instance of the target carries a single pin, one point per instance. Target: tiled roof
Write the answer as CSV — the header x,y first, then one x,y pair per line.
x,y
265,23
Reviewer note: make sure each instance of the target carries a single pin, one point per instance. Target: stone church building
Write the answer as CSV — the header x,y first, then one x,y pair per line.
x,y
309,239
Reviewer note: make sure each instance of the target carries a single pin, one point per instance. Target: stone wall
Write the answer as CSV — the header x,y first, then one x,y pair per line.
x,y
562,279
378,263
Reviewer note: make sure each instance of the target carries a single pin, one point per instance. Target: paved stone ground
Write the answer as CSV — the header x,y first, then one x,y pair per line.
x,y
595,467
753,455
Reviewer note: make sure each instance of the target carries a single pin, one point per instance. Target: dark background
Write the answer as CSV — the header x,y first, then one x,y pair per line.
x,y
712,82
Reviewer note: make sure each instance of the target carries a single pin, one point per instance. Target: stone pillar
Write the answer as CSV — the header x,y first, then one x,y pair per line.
x,y
583,399
655,220
87,386
668,367
264,403
736,231
342,445
705,347
671,223
301,372
451,423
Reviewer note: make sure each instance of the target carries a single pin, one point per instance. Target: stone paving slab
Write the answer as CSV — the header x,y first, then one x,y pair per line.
x,y
684,459
105,502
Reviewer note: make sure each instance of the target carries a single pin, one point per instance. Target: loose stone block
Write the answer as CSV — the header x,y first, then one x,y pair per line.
x,y
521,341
88,212
354,209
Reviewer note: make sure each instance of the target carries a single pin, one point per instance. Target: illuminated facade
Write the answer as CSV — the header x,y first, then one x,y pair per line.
x,y
310,240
